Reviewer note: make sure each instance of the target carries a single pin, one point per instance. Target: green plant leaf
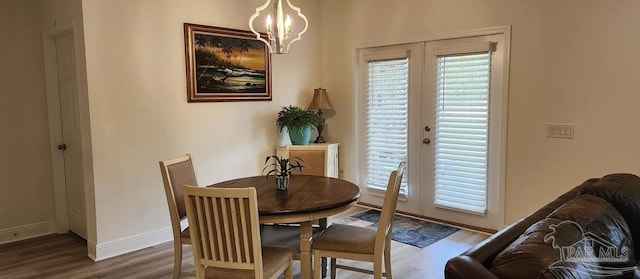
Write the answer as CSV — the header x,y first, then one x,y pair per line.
x,y
296,117
282,166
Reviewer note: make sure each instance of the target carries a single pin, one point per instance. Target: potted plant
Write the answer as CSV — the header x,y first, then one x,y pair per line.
x,y
299,122
281,169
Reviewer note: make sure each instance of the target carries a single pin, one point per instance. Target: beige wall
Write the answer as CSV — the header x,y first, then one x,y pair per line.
x,y
572,61
56,12
140,115
26,196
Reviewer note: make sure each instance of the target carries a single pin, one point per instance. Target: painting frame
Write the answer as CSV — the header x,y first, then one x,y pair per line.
x,y
215,70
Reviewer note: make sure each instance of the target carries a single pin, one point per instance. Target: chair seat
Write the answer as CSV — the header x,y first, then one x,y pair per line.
x,y
272,259
346,238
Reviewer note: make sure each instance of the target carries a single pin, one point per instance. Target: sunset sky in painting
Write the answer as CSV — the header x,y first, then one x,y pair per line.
x,y
253,59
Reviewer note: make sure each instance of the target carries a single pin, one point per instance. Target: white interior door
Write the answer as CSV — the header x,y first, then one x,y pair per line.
x,y
71,145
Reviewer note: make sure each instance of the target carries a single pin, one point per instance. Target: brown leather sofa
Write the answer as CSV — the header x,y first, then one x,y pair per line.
x,y
588,232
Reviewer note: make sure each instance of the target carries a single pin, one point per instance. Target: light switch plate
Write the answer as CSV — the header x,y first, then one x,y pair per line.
x,y
563,131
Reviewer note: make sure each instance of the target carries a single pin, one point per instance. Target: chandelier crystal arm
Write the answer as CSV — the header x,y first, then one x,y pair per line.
x,y
253,17
306,24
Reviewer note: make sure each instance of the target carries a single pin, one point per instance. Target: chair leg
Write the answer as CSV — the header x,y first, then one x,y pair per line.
x,y
324,267
288,273
199,272
333,268
177,259
323,226
317,265
387,260
377,269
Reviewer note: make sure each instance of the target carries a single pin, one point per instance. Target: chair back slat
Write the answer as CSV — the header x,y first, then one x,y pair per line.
x,y
225,222
201,233
225,231
235,203
218,241
385,225
245,227
211,235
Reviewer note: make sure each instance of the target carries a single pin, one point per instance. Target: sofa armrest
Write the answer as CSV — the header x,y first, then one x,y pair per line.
x,y
463,267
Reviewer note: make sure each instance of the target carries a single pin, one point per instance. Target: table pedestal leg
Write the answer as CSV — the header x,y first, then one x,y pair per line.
x,y
305,250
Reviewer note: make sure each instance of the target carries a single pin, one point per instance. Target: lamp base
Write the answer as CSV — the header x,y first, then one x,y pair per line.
x,y
320,139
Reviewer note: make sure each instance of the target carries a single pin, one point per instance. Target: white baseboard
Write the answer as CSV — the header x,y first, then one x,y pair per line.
x,y
27,231
129,244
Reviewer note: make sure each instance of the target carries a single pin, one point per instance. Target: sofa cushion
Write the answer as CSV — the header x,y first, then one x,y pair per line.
x,y
576,230
623,192
600,224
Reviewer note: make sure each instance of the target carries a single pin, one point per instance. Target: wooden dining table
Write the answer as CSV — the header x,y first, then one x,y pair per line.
x,y
308,198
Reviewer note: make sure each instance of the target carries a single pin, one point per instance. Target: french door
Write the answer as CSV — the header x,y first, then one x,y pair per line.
x,y
389,121
439,105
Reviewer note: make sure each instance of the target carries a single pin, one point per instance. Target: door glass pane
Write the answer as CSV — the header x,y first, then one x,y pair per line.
x,y
462,127
387,116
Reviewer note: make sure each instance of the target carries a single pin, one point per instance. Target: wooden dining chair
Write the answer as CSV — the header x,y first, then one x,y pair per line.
x,y
175,174
360,243
226,235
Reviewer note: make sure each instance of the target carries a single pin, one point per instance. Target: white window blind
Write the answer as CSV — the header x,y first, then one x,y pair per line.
x,y
462,127
387,116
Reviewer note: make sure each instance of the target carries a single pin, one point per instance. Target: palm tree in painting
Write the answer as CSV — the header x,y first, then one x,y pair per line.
x,y
216,41
209,58
202,42
227,50
244,47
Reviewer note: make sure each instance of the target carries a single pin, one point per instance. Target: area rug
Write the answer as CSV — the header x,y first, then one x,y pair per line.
x,y
407,230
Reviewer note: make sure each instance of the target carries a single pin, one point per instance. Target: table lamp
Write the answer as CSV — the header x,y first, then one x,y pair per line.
x,y
320,101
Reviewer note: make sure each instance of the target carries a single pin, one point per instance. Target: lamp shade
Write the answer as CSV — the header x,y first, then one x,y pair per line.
x,y
320,100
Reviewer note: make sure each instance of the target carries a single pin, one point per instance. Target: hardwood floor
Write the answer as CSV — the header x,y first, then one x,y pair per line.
x,y
65,256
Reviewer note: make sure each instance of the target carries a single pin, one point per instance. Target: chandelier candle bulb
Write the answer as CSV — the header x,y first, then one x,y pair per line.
x,y
287,25
269,23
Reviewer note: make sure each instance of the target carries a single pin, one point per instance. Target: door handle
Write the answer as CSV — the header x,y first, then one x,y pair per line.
x,y
62,147
426,141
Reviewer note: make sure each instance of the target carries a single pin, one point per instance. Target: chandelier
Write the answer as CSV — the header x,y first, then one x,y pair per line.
x,y
279,27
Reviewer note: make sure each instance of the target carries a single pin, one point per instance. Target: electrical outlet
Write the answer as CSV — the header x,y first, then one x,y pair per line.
x,y
563,131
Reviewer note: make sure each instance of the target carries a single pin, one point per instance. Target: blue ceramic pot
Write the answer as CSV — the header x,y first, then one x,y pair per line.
x,y
300,136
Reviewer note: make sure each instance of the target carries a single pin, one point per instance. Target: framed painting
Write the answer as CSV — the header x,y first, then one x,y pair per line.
x,y
226,65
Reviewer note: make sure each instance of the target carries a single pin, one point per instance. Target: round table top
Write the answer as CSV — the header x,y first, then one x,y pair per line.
x,y
306,193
